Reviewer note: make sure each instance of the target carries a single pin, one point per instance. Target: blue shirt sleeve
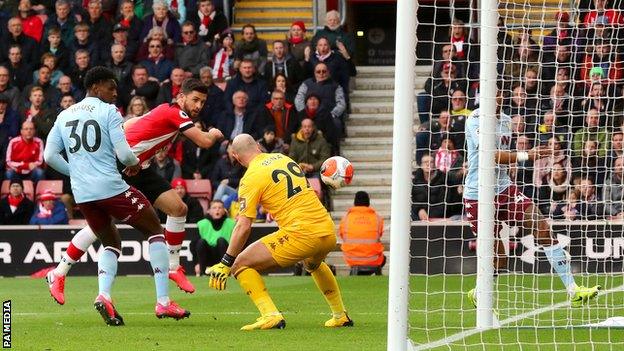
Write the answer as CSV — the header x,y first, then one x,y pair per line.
x,y
118,139
53,149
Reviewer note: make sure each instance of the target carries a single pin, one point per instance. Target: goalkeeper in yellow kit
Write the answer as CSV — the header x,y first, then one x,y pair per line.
x,y
306,232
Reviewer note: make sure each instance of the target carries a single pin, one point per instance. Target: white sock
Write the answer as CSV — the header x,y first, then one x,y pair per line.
x,y
81,241
174,256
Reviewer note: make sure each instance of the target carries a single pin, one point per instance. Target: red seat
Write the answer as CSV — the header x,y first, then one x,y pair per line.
x,y
55,185
200,189
29,189
315,183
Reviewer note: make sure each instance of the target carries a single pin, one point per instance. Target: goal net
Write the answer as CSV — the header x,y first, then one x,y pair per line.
x,y
557,67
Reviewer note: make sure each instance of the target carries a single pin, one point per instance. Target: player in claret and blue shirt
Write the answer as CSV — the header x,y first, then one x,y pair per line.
x,y
90,133
512,206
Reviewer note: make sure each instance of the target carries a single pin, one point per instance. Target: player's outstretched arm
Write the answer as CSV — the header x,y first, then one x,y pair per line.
x,y
220,272
508,157
203,139
118,139
52,152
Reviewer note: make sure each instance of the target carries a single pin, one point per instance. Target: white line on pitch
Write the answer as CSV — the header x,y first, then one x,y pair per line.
x,y
467,333
35,314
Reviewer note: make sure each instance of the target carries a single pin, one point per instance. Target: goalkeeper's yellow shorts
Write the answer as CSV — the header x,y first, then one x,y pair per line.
x,y
288,248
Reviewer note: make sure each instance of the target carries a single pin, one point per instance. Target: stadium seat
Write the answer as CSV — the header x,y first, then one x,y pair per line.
x,y
200,189
55,185
315,183
29,189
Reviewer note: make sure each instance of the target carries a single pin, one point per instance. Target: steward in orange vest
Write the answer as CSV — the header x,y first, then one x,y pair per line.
x,y
361,230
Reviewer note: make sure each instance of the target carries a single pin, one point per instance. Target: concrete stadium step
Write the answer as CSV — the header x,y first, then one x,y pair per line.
x,y
357,119
370,131
372,107
376,166
265,18
371,179
381,154
383,83
366,143
388,71
273,5
373,190
372,96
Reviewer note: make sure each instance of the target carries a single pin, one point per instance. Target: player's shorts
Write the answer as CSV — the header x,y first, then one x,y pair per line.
x,y
150,183
288,248
125,207
510,206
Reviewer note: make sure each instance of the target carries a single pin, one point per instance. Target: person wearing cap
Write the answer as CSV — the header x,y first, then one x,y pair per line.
x,y
16,208
611,16
210,21
361,230
195,210
297,43
191,54
121,36
50,210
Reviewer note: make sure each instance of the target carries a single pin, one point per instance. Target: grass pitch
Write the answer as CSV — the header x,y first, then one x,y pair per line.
x,y
437,310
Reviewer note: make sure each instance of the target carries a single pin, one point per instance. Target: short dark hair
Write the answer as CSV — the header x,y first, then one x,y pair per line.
x,y
136,67
96,75
193,84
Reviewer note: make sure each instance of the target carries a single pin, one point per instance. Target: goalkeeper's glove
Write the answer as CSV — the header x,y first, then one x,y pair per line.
x,y
220,272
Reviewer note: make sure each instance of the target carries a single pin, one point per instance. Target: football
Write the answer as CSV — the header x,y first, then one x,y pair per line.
x,y
336,172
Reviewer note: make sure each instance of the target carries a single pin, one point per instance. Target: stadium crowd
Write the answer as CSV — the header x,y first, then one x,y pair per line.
x,y
564,92
293,100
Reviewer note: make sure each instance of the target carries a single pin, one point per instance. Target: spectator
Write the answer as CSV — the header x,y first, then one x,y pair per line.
x,y
606,59
82,64
591,131
191,54
285,64
223,60
100,28
544,165
215,104
330,93
215,232
140,85
9,124
613,192
585,207
120,37
281,115
210,21
9,91
522,173
247,81
590,165
51,94
49,211
361,230
553,189
157,65
15,208
459,112
447,158
39,114
119,63
24,156
459,38
429,193
241,119
136,108
164,19
131,22
430,135
616,149
280,83
449,55
65,86
559,102
226,176
309,149
340,65
197,163
16,36
251,48
322,119
195,211
83,41
298,44
562,32
159,34
19,71
552,63
597,100
50,61
169,90
33,27
335,33
438,91
611,16
548,129
62,20
269,143
166,166
67,100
